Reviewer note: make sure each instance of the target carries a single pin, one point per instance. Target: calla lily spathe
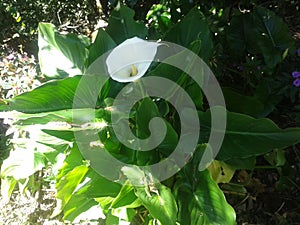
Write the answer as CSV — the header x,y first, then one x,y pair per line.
x,y
130,60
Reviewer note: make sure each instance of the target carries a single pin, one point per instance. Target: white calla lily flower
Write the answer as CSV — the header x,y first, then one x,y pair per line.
x,y
130,60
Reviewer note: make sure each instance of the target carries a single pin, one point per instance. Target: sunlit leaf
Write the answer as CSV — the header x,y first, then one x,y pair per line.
x,y
20,167
61,55
157,198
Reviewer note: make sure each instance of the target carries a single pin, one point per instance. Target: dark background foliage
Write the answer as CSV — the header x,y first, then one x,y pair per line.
x,y
240,70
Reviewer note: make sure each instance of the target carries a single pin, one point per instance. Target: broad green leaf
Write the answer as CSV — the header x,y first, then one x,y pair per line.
x,y
62,118
102,44
61,134
111,219
156,197
121,25
195,93
73,159
193,27
67,185
260,32
237,34
61,55
126,198
58,95
242,163
93,186
246,136
275,36
236,102
160,203
98,186
3,106
124,214
109,140
77,205
105,203
200,200
20,167
148,110
266,95
52,96
60,124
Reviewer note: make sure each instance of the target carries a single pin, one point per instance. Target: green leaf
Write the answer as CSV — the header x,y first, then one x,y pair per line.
x,y
67,185
239,103
195,93
77,205
126,197
20,167
276,158
52,96
275,30
105,203
237,34
73,159
61,55
98,186
111,219
61,134
109,140
193,27
146,111
246,136
102,44
121,25
157,198
260,32
58,95
200,200
275,37
242,163
92,186
161,204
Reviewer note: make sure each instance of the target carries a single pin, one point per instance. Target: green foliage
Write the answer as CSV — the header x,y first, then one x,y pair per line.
x,y
122,25
191,196
20,19
185,33
61,55
201,201
260,32
246,136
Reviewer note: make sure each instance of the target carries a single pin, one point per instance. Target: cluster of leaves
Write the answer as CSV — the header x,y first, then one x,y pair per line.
x,y
19,19
255,38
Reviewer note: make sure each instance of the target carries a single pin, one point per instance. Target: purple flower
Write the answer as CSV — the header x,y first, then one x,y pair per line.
x,y
296,74
297,83
298,51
